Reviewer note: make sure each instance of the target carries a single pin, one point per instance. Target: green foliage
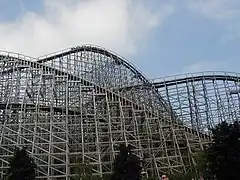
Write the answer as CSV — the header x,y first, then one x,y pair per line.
x,y
22,167
177,176
224,153
221,160
127,166
202,165
107,177
197,171
150,178
84,172
191,173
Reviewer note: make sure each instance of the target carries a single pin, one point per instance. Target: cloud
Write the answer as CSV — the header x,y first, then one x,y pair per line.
x,y
120,25
206,66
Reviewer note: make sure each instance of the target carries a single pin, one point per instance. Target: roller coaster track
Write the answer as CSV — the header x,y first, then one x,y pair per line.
x,y
161,83
166,125
118,60
39,65
99,50
41,107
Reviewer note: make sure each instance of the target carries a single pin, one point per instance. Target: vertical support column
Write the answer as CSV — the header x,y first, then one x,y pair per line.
x,y
111,137
67,131
155,168
96,121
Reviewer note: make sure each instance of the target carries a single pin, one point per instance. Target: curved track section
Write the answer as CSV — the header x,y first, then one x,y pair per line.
x,y
103,68
202,100
75,104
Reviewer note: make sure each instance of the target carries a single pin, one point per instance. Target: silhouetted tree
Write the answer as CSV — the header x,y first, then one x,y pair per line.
x,y
127,166
190,174
84,171
202,165
22,166
224,153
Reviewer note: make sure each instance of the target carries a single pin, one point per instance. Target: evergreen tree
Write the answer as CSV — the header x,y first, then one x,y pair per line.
x,y
224,153
127,166
22,167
